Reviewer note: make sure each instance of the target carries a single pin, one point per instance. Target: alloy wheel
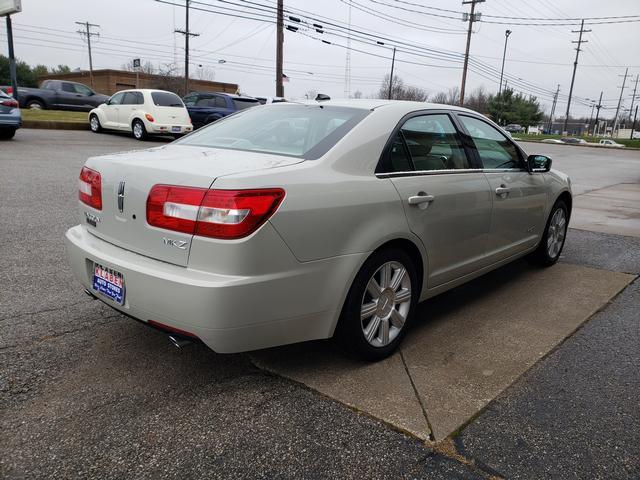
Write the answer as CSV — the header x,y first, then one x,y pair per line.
x,y
137,130
385,304
557,232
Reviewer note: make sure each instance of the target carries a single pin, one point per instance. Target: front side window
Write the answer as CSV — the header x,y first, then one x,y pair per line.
x,y
190,100
116,99
68,87
305,131
82,90
494,148
166,99
220,102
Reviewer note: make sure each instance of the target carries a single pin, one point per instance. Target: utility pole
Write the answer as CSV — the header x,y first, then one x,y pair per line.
x,y
553,108
598,107
575,66
633,96
624,81
472,17
187,34
393,62
504,55
87,33
279,50
347,66
633,125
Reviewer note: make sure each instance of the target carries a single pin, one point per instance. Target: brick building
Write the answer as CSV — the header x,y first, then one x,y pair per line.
x,y
110,81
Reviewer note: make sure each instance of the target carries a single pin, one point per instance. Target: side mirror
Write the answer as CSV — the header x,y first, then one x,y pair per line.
x,y
538,163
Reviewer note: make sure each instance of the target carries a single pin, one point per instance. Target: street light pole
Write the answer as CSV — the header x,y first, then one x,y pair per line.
x,y
504,54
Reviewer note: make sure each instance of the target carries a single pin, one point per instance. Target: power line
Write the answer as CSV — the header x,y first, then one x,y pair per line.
x,y
187,34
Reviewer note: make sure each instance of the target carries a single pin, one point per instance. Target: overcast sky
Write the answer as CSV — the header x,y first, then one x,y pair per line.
x,y
538,57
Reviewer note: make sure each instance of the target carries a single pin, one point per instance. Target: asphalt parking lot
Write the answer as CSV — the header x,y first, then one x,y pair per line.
x,y
88,393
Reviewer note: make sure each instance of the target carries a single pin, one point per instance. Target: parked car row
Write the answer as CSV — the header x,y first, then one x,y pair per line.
x,y
59,95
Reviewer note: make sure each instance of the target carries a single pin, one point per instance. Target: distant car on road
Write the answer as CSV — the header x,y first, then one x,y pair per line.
x,y
294,221
10,117
205,107
143,112
552,140
610,143
59,95
573,141
514,128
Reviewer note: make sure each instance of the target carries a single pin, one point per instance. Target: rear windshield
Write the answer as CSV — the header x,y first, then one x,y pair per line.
x,y
242,103
166,99
305,131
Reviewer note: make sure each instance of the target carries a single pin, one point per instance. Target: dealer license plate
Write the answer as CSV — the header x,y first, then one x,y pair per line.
x,y
109,283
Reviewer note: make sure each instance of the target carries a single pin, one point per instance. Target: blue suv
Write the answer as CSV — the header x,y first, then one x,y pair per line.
x,y
205,107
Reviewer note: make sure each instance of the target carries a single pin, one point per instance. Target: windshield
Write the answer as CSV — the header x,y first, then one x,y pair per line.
x,y
166,99
306,131
242,103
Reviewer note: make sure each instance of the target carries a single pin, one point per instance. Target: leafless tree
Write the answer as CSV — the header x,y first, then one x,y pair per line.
x,y
146,67
357,94
400,91
450,97
478,100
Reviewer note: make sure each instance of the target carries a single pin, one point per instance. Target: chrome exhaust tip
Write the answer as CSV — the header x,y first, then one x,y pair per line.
x,y
179,342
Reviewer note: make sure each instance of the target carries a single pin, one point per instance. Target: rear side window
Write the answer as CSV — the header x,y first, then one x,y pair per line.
x,y
242,103
305,131
426,142
220,102
494,148
166,99
208,102
133,98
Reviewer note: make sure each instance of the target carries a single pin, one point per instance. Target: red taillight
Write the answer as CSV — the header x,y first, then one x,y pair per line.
x,y
90,188
9,103
223,214
9,90
149,117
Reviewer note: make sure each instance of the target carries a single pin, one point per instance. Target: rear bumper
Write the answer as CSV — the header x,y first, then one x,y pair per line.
x,y
228,313
168,129
11,120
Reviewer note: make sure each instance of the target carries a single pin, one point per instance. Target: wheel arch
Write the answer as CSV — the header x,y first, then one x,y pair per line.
x,y
409,246
32,98
566,197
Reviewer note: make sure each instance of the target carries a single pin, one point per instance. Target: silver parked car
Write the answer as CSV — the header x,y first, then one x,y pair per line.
x,y
291,222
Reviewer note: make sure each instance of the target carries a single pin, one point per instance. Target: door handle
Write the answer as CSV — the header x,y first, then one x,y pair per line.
x,y
420,198
502,191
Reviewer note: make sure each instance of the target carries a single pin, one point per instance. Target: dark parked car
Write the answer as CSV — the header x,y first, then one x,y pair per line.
x,y
59,95
514,128
573,140
10,118
205,107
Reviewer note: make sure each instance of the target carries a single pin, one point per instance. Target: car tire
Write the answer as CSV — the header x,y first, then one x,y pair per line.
x,y
35,105
94,124
554,236
372,328
139,130
7,133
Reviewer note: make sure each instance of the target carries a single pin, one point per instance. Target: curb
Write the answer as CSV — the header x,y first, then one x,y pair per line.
x,y
54,125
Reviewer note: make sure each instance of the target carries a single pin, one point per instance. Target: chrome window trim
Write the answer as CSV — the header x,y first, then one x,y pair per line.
x,y
497,170
418,173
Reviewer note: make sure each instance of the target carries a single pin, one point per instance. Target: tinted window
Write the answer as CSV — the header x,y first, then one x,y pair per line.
x,y
433,143
133,98
82,90
68,87
398,155
220,102
190,100
242,103
116,99
494,148
306,131
208,102
166,99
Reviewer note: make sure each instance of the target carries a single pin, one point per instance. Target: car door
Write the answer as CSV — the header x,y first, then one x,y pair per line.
x,y
112,110
67,96
445,195
83,96
126,108
519,197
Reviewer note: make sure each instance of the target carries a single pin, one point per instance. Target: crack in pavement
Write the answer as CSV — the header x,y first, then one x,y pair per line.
x,y
432,438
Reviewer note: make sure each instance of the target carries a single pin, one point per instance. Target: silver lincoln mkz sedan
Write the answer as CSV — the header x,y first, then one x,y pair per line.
x,y
291,222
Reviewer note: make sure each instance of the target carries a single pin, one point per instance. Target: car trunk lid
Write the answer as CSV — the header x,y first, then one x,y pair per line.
x,y
128,177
